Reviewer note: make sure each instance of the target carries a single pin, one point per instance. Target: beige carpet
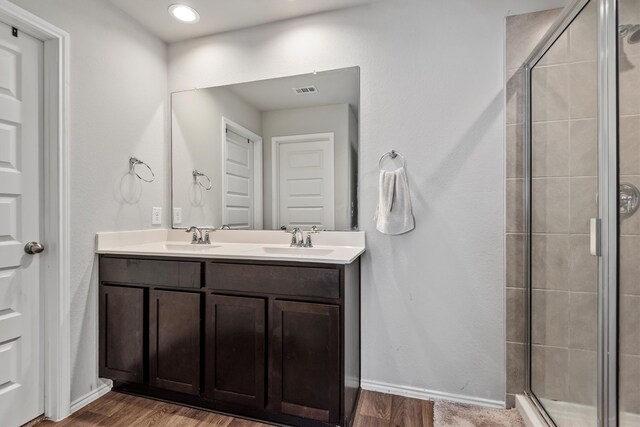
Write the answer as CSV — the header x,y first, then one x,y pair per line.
x,y
450,414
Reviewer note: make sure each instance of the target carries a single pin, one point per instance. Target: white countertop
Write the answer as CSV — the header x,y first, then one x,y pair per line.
x,y
330,247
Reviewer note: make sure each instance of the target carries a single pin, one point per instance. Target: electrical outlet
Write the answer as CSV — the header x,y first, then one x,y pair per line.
x,y
177,215
156,216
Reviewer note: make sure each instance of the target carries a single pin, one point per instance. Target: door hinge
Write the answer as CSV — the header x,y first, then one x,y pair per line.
x,y
594,231
14,31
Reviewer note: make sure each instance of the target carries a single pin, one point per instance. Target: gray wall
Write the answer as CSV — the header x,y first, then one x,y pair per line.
x,y
432,81
119,108
430,297
298,121
197,144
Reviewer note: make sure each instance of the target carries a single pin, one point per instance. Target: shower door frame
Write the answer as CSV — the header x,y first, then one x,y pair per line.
x,y
607,238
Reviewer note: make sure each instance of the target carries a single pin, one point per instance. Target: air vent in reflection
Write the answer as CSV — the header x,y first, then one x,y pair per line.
x,y
305,90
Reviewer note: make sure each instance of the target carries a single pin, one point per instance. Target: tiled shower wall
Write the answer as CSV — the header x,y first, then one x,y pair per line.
x,y
629,166
564,278
522,34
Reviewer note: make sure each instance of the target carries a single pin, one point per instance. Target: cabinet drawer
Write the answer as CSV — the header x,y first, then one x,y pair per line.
x,y
289,280
150,272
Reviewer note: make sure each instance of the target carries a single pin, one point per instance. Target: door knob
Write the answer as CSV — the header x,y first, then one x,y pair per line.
x,y
33,248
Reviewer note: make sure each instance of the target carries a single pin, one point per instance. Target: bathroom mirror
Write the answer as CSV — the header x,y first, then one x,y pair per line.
x,y
267,154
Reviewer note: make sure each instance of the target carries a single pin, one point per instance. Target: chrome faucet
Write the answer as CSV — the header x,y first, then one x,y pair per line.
x,y
298,240
198,238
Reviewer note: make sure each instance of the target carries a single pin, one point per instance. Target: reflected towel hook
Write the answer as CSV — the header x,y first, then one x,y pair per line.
x,y
196,178
133,162
393,154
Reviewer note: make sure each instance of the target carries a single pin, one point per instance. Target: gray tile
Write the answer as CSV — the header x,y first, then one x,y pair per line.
x,y
583,82
549,372
516,359
629,323
550,149
629,13
583,267
515,97
510,400
629,145
584,204
629,387
515,314
583,147
515,151
583,379
523,33
629,275
550,261
515,265
630,225
583,35
515,205
558,53
550,205
583,320
550,318
629,88
550,87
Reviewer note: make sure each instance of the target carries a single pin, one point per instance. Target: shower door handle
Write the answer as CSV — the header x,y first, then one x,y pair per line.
x,y
594,243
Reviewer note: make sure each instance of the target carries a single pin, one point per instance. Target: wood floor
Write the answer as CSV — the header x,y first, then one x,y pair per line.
x,y
117,409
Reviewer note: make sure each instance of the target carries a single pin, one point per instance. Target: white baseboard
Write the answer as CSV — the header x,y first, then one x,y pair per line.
x,y
103,388
424,394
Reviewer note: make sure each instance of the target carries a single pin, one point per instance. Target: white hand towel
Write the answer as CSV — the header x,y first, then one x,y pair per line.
x,y
394,214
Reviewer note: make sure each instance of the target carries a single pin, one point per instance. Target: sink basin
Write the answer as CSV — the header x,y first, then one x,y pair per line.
x,y
292,251
186,247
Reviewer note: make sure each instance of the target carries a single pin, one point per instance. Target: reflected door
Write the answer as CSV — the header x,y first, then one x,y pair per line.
x,y
238,182
563,181
305,181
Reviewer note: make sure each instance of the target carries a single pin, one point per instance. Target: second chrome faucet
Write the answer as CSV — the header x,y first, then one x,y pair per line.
x,y
297,237
198,238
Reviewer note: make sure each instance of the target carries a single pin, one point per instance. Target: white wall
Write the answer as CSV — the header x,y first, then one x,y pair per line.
x,y
300,121
118,109
197,144
432,88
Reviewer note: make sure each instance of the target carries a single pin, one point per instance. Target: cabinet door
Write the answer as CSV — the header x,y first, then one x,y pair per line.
x,y
305,360
174,341
122,333
235,350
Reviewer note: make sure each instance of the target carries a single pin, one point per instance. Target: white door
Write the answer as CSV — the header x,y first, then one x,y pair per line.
x,y
21,349
238,182
305,193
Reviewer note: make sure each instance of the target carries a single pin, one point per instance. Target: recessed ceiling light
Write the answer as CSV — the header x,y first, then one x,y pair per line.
x,y
184,13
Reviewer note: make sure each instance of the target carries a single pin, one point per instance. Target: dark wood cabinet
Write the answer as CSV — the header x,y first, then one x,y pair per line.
x,y
174,341
273,341
122,333
235,350
305,343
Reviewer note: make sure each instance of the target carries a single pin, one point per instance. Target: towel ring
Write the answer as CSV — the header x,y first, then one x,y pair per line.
x,y
133,162
393,154
196,178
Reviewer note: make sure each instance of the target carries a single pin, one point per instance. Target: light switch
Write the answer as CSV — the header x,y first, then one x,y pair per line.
x,y
156,216
177,216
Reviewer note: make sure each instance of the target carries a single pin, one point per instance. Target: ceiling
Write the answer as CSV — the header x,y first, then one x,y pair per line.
x,y
217,16
334,87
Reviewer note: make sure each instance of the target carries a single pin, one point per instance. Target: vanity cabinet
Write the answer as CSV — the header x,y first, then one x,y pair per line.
x,y
122,333
174,341
305,343
274,341
235,350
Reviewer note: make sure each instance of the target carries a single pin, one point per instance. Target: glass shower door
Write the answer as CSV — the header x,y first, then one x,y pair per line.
x,y
629,217
563,183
